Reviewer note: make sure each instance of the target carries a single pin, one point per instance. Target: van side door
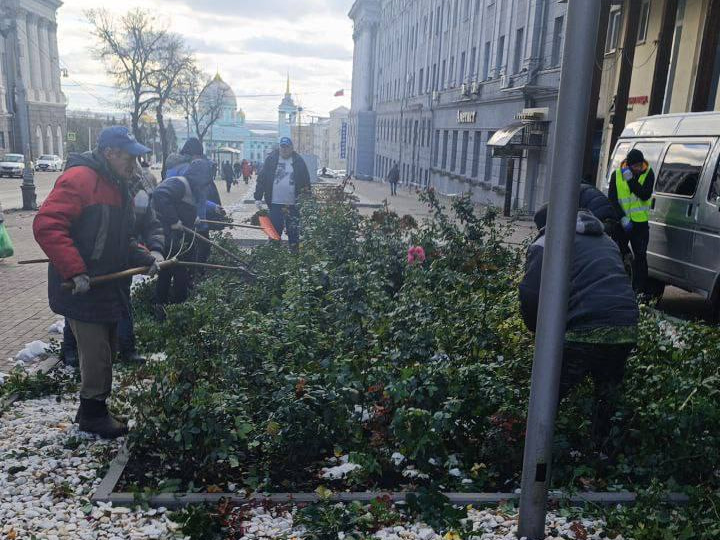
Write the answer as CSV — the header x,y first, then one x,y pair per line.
x,y
675,210
706,248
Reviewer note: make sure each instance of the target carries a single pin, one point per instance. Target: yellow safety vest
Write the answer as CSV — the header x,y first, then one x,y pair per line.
x,y
636,209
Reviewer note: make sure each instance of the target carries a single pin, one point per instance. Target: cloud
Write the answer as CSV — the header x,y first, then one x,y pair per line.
x,y
311,49
272,9
252,44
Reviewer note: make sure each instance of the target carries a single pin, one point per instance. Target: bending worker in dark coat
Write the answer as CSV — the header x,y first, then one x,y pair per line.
x,y
602,314
181,200
85,227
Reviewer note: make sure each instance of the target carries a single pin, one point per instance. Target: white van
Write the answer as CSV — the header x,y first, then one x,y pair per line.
x,y
683,150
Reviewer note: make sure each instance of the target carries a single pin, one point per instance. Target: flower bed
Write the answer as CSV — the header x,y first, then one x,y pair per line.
x,y
353,365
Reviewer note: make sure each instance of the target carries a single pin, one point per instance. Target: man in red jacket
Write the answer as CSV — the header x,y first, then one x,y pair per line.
x,y
85,227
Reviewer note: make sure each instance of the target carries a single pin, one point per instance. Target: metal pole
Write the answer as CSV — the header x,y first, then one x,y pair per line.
x,y
572,116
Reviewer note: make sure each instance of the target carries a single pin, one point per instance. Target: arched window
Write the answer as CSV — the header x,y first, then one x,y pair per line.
x,y
50,143
39,141
59,146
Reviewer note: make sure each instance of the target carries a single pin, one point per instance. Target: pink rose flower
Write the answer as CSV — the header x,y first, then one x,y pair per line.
x,y
416,254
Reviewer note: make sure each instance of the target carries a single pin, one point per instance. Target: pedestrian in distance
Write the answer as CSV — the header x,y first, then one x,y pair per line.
x,y
630,192
247,171
601,327
237,170
228,175
393,179
85,228
281,184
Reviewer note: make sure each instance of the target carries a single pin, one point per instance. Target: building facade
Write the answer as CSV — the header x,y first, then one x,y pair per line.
x,y
460,93
29,58
675,68
337,139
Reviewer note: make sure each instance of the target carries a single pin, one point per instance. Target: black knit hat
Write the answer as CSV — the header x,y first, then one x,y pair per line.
x,y
634,157
540,217
192,147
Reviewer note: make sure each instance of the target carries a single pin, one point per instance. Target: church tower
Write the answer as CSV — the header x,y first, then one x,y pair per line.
x,y
287,112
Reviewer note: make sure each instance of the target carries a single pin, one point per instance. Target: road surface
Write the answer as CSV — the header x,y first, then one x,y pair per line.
x,y
11,196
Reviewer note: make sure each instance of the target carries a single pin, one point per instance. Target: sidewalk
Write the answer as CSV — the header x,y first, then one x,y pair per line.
x,y
24,312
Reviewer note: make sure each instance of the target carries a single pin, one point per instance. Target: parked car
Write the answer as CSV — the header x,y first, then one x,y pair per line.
x,y
49,162
12,165
684,152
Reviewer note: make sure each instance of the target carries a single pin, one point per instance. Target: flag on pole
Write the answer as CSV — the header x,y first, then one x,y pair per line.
x,y
340,93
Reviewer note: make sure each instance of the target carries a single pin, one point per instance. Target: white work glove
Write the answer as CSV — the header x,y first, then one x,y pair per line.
x,y
177,226
260,205
626,224
155,268
81,284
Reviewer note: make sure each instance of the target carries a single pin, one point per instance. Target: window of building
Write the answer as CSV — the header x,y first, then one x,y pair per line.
x,y
451,74
471,67
453,156
644,18
500,55
476,154
461,72
446,136
2,139
613,33
489,159
455,13
442,75
464,152
681,169
519,47
437,21
557,41
420,80
486,62
434,77
436,149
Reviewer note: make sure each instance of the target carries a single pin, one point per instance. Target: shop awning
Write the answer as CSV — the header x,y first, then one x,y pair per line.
x,y
511,140
504,136
228,150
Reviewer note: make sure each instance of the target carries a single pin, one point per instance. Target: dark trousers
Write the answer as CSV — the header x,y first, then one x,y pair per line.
x,y
176,278
393,188
638,238
605,364
125,335
286,218
229,184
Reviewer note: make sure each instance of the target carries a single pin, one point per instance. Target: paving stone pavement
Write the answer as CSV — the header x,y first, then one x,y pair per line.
x,y
24,312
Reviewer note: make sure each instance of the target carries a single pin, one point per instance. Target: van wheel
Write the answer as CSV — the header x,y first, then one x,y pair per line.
x,y
655,288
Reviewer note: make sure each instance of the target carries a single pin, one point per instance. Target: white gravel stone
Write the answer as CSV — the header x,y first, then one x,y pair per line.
x,y
41,498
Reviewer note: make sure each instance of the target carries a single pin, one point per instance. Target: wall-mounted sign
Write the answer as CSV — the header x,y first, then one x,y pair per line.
x,y
71,137
466,117
638,100
533,115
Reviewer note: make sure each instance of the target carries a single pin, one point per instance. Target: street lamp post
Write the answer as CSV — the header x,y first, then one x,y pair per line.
x,y
565,171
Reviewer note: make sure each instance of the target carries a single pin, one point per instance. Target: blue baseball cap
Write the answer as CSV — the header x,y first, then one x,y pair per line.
x,y
121,138
286,141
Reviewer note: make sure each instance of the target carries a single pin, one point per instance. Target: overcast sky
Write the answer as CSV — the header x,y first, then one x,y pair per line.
x,y
252,43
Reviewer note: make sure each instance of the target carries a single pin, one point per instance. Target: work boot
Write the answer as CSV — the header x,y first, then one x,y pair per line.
x,y
94,417
132,357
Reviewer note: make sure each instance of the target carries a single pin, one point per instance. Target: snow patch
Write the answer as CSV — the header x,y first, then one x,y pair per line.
x,y
32,350
57,327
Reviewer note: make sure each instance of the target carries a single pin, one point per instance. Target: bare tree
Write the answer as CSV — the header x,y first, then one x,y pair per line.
x,y
171,60
201,108
130,46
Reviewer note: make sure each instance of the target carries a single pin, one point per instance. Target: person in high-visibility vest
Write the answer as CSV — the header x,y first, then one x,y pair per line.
x,y
631,189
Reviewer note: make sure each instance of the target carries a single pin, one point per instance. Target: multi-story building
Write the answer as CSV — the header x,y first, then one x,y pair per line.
x,y
337,133
461,93
29,56
675,47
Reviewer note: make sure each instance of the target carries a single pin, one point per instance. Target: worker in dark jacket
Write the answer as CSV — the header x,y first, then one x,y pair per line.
x,y
602,316
630,192
181,200
283,182
85,227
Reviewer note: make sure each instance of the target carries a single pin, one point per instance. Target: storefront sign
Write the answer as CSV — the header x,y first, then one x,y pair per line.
x,y
638,100
466,117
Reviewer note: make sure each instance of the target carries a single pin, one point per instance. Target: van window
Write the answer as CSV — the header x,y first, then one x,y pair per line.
x,y
652,151
714,193
621,151
681,169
